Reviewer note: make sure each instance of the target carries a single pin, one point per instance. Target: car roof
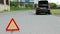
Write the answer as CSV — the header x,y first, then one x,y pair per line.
x,y
43,0
39,1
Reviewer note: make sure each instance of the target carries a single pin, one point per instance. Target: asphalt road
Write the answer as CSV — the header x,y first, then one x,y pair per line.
x,y
29,23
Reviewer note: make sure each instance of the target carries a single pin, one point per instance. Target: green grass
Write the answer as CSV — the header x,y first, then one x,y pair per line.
x,y
16,8
55,11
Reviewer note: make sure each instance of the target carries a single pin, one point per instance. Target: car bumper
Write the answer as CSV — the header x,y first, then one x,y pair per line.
x,y
43,10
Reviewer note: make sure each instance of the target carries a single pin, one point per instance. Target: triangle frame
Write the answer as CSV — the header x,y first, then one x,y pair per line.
x,y
15,25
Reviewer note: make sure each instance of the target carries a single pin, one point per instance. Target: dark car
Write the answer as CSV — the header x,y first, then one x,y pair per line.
x,y
43,7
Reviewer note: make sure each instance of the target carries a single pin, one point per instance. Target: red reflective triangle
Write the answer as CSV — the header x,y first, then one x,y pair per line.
x,y
12,23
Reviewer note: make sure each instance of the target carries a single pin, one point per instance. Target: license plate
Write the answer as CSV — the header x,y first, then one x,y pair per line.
x,y
42,7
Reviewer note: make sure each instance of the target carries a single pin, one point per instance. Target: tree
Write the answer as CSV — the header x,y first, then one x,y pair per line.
x,y
53,5
14,3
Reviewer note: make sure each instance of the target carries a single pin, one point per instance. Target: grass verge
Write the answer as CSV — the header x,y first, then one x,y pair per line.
x,y
55,11
17,8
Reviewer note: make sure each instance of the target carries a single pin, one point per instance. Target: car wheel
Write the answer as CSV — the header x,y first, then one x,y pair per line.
x,y
37,13
49,12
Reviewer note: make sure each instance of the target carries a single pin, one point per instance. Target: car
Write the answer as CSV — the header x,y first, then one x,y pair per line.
x,y
43,7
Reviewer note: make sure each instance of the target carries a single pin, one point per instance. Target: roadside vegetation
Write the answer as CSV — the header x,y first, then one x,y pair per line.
x,y
17,8
14,6
55,11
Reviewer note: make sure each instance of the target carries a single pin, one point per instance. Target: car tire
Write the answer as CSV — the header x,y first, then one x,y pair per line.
x,y
37,13
49,12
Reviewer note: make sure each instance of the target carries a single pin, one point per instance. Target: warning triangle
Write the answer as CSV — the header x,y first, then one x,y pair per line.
x,y
12,26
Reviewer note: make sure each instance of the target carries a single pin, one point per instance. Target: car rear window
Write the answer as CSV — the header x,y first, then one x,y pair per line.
x,y
43,2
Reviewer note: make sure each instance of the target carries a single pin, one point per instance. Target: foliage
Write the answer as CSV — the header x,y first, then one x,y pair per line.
x,y
15,4
29,5
53,5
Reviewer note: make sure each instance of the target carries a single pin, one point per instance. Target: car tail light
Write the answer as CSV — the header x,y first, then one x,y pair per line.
x,y
48,6
38,7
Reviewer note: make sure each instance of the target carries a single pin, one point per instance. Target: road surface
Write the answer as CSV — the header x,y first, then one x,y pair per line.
x,y
30,23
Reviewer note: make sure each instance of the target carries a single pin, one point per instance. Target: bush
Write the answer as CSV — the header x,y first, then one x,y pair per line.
x,y
58,7
53,5
29,5
15,4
